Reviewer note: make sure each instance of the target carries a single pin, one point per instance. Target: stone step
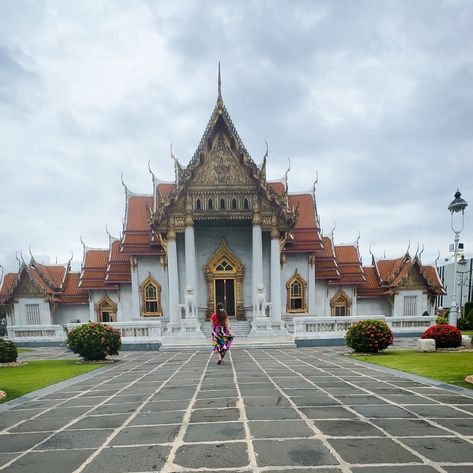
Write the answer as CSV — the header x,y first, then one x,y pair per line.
x,y
238,343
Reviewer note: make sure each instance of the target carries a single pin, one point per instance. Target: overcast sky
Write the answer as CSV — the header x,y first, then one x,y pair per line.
x,y
377,97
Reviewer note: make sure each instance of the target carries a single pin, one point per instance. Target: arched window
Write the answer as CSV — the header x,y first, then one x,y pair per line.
x,y
222,204
296,294
340,304
151,298
198,205
106,310
234,203
211,205
245,204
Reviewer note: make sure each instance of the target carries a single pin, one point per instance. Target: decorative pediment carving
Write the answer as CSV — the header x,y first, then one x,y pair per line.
x,y
413,280
221,167
27,287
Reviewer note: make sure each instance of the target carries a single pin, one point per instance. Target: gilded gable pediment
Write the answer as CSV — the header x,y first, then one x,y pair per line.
x,y
221,167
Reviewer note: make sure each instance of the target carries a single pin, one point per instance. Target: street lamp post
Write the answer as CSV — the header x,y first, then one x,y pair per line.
x,y
456,207
463,282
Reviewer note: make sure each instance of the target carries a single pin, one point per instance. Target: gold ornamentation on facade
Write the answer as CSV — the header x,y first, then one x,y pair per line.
x,y
311,259
214,271
106,309
340,304
296,294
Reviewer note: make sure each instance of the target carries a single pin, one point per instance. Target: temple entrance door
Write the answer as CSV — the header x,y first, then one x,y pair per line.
x,y
225,293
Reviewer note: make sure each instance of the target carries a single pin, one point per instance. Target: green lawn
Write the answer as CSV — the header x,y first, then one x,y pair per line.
x,y
449,367
23,350
467,332
19,380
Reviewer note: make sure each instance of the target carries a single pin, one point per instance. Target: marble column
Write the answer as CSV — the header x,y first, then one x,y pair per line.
x,y
135,289
191,275
275,278
311,284
173,281
257,250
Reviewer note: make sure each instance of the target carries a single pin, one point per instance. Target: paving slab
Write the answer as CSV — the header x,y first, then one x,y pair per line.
x,y
220,431
279,429
128,459
180,411
300,452
220,455
441,449
372,450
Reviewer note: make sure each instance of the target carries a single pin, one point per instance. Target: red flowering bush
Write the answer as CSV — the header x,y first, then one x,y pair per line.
x,y
94,341
369,336
445,335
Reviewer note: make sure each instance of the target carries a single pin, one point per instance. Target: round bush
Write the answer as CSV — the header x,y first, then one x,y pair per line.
x,y
369,336
445,335
94,341
8,351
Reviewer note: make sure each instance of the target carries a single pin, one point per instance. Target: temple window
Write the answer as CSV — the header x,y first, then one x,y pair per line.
x,y
245,204
296,294
211,205
106,310
224,265
410,304
340,304
151,298
234,203
32,314
222,204
198,205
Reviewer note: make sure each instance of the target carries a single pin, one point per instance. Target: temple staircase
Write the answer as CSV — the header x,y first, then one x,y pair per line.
x,y
241,330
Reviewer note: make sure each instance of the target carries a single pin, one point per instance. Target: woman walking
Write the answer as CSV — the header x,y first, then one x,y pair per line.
x,y
222,335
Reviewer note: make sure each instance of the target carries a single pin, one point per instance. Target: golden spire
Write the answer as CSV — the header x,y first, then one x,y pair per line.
x,y
219,99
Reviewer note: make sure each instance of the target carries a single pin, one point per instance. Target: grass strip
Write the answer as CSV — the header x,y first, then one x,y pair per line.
x,y
17,381
449,367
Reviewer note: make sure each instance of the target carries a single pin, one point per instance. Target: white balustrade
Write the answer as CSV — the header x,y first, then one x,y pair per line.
x,y
131,332
36,333
336,327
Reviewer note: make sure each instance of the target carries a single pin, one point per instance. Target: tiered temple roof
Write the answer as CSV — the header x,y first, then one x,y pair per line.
x,y
385,276
55,282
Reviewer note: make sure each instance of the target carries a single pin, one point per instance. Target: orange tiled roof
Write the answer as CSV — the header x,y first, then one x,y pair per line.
x,y
8,284
306,233
93,269
137,236
53,274
326,266
432,275
387,267
72,293
372,287
165,188
118,267
277,187
349,263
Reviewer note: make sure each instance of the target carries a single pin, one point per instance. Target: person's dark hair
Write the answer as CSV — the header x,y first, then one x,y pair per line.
x,y
221,314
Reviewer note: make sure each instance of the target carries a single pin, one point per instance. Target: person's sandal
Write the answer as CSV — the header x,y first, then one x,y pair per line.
x,y
219,362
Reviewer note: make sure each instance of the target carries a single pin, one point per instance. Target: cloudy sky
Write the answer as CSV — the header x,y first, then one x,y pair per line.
x,y
377,97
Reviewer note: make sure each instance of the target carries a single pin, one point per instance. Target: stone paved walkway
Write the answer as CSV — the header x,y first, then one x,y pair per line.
x,y
267,411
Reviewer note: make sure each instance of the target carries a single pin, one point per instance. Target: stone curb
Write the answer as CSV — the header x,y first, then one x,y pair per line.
x,y
420,379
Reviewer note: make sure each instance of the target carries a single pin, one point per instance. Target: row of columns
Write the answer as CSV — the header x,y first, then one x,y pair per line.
x,y
191,269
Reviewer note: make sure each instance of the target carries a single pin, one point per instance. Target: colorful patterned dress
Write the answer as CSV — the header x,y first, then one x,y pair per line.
x,y
221,337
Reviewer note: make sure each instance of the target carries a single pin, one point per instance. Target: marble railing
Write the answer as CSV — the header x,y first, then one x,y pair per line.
x,y
36,333
335,327
131,332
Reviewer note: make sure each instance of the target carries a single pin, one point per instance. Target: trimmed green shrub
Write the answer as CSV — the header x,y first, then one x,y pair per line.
x,y
445,335
94,341
469,319
369,336
425,313
8,351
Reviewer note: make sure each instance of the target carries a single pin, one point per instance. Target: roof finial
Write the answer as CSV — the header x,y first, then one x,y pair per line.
x,y
219,99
